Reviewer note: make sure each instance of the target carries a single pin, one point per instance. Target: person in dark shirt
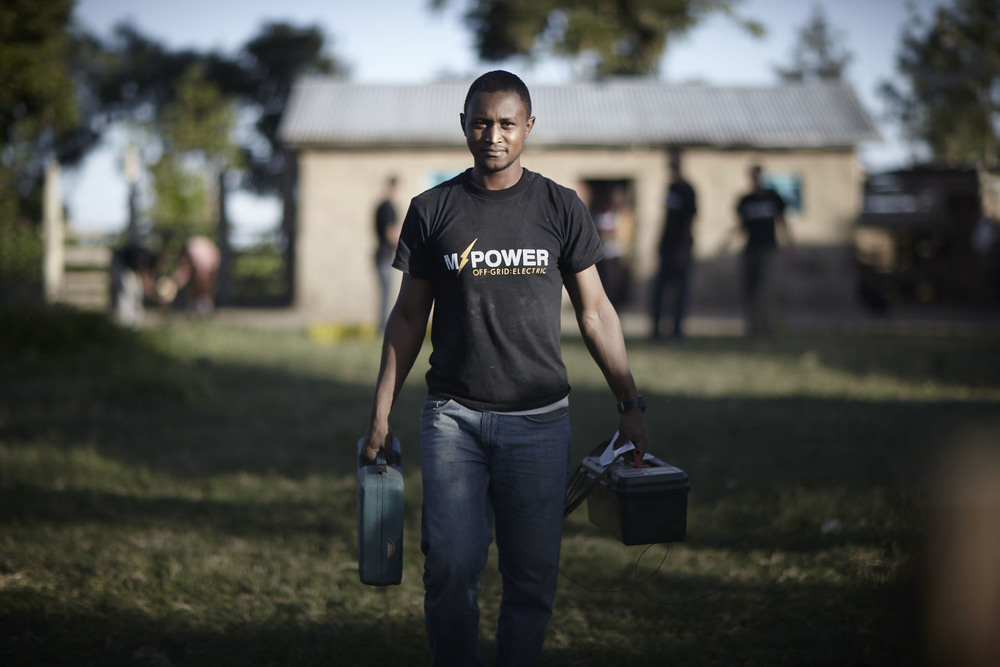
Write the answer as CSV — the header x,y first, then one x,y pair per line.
x,y
491,251
133,283
761,214
387,235
676,249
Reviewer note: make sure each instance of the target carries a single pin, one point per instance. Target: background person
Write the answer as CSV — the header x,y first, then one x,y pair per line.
x,y
133,282
676,249
199,266
761,214
387,236
491,251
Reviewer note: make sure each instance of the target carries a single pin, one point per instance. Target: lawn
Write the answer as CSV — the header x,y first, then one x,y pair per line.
x,y
186,496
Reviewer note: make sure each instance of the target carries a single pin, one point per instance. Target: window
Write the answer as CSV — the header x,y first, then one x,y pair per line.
x,y
440,176
789,186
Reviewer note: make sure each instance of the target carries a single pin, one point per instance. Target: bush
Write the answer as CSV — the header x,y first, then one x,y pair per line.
x,y
20,262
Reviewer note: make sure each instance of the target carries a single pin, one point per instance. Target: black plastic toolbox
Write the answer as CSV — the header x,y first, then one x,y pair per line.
x,y
643,505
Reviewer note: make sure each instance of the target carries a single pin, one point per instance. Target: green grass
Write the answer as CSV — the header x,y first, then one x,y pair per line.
x,y
186,496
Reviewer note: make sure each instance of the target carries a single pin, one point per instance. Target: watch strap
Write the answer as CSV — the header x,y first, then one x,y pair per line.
x,y
637,402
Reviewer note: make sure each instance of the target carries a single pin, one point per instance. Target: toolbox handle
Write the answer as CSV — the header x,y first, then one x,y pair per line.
x,y
383,458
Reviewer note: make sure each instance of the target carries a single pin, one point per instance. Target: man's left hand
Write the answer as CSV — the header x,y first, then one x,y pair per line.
x,y
631,428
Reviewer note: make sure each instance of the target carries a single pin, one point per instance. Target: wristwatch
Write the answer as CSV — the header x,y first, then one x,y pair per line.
x,y
637,402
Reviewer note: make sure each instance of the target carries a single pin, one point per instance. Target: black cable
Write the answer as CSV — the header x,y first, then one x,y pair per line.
x,y
579,486
645,594
634,570
582,482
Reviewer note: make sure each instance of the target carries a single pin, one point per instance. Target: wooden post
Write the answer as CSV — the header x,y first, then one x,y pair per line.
x,y
223,291
53,235
289,222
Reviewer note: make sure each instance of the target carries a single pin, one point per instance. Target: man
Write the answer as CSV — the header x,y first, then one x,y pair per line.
x,y
491,250
761,215
387,234
133,282
676,247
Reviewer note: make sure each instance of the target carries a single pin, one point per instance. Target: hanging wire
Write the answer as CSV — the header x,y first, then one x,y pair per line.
x,y
640,583
580,485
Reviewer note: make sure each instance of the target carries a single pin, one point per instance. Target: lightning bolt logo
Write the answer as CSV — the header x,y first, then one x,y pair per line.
x,y
465,256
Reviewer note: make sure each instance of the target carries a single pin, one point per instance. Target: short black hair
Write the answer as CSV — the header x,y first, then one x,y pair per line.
x,y
499,81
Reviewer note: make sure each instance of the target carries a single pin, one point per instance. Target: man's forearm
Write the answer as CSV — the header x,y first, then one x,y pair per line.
x,y
402,342
602,333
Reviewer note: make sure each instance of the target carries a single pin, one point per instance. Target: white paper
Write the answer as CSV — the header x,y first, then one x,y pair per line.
x,y
609,454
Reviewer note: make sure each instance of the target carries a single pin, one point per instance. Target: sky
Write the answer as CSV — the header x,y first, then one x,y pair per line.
x,y
403,41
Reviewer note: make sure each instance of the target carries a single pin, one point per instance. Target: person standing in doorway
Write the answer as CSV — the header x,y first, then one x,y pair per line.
x,y
676,249
387,235
491,251
761,214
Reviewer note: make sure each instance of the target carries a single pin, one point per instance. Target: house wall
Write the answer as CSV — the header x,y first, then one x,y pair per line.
x,y
335,249
339,190
819,270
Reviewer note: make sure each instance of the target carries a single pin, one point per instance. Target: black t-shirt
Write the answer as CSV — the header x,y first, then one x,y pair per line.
x,y
135,257
385,217
496,259
681,209
757,212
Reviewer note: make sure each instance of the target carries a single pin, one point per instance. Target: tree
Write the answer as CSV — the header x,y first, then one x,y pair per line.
x,y
817,55
195,136
38,121
951,68
271,62
629,37
133,78
37,103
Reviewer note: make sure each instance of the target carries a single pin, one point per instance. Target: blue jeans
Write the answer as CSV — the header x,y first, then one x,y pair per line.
x,y
481,467
383,266
760,290
674,269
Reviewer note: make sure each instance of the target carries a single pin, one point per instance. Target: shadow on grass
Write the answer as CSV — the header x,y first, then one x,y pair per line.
x,y
964,357
766,474
54,633
735,625
243,518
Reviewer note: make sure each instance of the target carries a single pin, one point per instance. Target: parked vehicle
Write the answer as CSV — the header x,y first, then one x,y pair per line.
x,y
914,240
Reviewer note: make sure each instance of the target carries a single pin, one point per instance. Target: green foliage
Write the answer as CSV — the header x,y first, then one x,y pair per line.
x,y
132,76
629,37
195,133
199,120
20,259
38,106
35,87
186,496
20,246
259,274
181,208
951,67
817,55
275,58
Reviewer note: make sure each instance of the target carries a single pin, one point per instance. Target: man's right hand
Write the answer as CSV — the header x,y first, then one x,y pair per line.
x,y
377,438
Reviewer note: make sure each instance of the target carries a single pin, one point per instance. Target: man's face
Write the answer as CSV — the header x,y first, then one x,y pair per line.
x,y
495,126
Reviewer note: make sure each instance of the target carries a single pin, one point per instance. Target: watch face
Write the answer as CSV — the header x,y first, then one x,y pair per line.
x,y
638,402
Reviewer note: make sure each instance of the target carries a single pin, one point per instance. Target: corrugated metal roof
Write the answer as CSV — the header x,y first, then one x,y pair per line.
x,y
621,112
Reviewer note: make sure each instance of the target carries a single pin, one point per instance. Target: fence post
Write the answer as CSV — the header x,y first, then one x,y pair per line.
x,y
53,234
223,291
